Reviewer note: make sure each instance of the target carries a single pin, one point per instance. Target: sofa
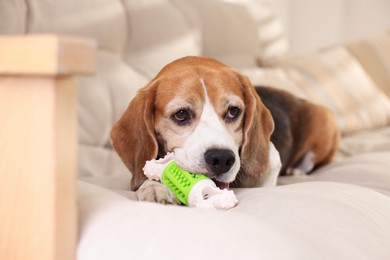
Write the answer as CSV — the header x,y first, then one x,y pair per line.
x,y
340,211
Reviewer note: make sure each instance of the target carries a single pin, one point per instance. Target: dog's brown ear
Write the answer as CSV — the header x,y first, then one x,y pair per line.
x,y
133,135
258,127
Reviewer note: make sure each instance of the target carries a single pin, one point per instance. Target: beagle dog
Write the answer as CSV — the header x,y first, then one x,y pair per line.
x,y
212,118
306,135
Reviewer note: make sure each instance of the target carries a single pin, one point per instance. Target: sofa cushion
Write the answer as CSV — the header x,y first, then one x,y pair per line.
x,y
300,221
102,99
13,17
240,34
374,55
335,79
369,170
101,20
159,32
377,140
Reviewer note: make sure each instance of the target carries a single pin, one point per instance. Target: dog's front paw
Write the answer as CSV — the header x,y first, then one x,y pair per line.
x,y
296,172
154,191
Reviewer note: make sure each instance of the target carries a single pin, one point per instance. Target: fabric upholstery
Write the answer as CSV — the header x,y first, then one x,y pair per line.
x,y
374,55
315,220
14,13
160,32
375,140
101,20
241,35
335,79
102,100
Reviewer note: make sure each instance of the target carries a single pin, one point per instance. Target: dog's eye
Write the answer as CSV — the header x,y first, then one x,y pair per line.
x,y
232,114
182,117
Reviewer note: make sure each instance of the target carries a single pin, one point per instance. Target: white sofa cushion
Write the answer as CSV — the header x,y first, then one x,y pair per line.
x,y
375,140
371,170
300,221
101,20
159,32
102,99
242,34
13,17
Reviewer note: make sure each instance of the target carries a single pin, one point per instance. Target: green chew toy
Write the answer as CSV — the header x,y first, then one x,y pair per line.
x,y
194,190
180,181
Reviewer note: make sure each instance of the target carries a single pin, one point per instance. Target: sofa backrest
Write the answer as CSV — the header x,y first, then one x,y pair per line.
x,y
136,38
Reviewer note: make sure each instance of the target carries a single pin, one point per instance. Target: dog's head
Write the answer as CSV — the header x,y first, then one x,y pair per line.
x,y
204,111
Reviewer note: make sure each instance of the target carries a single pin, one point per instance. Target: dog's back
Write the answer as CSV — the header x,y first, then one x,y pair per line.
x,y
305,134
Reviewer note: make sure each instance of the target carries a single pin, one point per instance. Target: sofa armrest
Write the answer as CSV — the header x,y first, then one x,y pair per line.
x,y
38,140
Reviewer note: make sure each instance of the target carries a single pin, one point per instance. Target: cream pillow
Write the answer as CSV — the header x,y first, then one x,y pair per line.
x,y
335,79
374,55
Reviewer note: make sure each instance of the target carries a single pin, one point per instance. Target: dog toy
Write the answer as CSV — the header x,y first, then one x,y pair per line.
x,y
194,190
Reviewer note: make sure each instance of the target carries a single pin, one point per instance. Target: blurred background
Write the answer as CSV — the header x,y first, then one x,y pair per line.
x,y
313,24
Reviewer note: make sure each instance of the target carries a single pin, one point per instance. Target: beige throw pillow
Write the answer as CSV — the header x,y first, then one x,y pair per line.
x,y
335,79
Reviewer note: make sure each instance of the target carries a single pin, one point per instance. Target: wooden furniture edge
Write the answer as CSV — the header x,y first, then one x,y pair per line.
x,y
38,140
46,54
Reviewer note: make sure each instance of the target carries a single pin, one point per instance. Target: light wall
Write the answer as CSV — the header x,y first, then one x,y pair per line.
x,y
313,24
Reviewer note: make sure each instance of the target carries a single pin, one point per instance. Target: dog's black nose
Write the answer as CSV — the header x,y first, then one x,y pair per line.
x,y
219,160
